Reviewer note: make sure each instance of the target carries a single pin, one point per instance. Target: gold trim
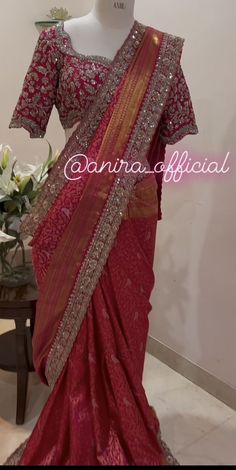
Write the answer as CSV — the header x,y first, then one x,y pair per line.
x,y
17,455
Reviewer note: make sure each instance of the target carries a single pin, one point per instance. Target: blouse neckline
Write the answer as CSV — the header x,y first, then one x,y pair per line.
x,y
67,46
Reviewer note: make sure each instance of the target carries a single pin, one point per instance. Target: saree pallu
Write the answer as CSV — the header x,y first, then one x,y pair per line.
x,y
93,249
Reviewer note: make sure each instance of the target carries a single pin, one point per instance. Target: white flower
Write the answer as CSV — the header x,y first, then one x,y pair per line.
x,y
5,147
26,169
5,157
7,186
15,176
4,238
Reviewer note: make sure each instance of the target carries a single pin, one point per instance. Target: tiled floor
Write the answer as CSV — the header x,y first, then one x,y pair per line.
x,y
199,429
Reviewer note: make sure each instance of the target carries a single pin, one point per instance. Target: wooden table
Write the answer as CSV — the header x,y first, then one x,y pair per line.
x,y
18,304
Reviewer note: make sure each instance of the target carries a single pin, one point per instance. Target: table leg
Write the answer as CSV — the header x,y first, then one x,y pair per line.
x,y
22,369
32,322
22,386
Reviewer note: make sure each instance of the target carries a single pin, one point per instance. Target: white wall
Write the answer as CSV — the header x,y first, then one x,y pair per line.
x,y
195,296
194,300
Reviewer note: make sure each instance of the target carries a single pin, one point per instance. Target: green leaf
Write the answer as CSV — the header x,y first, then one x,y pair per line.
x,y
10,245
5,198
27,186
10,206
50,165
23,183
19,201
50,155
2,220
19,205
13,233
48,161
32,194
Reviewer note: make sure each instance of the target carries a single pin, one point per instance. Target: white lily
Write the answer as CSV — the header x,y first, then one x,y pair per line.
x,y
26,169
5,157
4,237
7,186
3,146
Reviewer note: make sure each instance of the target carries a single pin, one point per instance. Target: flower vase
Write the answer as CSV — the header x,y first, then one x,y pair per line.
x,y
15,270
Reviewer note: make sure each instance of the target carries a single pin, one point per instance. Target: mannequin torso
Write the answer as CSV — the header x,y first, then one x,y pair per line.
x,y
102,32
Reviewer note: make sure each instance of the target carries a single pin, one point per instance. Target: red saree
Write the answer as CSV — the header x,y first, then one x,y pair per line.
x,y
93,248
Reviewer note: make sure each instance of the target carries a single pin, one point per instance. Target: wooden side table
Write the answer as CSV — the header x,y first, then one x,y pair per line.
x,y
18,304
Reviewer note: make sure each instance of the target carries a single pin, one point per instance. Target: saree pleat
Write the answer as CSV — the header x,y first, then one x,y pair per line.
x,y
101,397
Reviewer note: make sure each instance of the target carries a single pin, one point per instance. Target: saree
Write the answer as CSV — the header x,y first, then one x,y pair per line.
x,y
93,243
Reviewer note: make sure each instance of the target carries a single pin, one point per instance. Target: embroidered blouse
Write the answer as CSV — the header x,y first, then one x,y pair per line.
x,y
60,76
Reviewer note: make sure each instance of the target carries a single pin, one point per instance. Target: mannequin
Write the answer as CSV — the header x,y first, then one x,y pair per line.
x,y
102,31
93,239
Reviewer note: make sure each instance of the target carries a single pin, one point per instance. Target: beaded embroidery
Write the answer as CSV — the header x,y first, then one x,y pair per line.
x,y
178,118
60,76
81,138
15,458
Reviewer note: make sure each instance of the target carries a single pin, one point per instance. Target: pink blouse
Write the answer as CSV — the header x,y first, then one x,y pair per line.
x,y
60,76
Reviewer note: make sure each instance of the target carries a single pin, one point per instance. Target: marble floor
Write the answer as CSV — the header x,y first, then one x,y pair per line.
x,y
199,429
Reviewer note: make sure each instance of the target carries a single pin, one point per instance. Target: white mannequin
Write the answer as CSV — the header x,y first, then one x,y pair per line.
x,y
102,32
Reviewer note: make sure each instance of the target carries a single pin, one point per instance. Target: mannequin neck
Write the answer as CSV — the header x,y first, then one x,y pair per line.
x,y
114,14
